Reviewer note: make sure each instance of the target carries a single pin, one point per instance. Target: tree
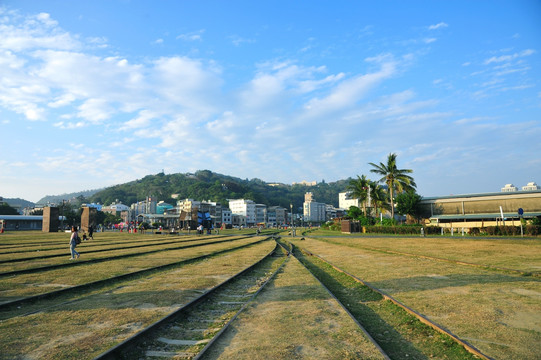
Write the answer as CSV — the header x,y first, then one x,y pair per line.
x,y
354,212
378,197
407,203
5,209
359,190
395,178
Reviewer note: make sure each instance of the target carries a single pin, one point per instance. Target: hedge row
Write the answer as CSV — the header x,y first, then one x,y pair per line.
x,y
399,230
528,230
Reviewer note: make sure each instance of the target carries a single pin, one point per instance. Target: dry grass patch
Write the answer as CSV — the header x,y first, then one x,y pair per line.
x,y
480,305
90,325
38,283
519,254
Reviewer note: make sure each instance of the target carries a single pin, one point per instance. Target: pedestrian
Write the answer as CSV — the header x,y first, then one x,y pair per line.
x,y
90,232
73,242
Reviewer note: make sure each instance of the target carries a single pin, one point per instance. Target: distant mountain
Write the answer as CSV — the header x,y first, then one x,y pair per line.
x,y
19,204
56,199
206,185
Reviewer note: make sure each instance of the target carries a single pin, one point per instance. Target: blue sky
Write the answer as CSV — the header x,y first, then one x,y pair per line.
x,y
96,93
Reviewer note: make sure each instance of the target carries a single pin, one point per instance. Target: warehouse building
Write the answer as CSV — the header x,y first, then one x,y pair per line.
x,y
481,210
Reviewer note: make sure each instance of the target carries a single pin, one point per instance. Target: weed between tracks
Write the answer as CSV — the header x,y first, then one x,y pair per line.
x,y
398,333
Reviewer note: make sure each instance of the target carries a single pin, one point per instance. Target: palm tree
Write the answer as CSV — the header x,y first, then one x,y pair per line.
x,y
379,197
358,189
395,178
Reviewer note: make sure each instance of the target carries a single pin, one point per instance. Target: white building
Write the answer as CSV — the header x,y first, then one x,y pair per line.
x,y
345,201
245,208
531,186
312,210
115,208
509,188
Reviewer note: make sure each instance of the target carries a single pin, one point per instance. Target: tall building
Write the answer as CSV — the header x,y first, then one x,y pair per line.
x,y
245,208
345,201
312,210
261,214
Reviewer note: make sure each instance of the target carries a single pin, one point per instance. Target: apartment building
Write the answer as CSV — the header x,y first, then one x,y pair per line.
x,y
312,210
345,201
244,208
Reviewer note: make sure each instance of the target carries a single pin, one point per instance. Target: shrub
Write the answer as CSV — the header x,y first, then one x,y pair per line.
x,y
532,230
399,230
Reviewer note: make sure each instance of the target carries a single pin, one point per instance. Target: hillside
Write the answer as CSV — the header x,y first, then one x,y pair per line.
x,y
206,185
18,203
56,199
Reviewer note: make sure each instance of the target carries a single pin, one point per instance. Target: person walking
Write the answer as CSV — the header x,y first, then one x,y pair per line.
x,y
73,242
90,232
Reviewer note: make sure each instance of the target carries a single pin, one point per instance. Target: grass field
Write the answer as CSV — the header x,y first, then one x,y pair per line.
x,y
485,291
498,311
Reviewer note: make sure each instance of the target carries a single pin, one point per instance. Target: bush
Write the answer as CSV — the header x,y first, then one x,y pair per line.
x,y
532,230
398,230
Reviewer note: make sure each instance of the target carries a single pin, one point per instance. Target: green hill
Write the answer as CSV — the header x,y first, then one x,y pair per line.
x,y
57,199
206,185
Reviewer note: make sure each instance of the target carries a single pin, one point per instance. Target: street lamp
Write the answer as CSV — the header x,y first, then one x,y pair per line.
x,y
291,215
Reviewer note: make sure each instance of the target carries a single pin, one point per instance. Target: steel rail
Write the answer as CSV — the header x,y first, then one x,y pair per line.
x,y
123,277
129,343
425,320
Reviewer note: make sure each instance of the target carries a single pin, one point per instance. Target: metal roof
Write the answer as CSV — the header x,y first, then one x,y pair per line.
x,y
483,216
21,217
510,193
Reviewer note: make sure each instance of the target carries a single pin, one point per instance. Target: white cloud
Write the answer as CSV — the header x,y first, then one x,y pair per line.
x,y
348,92
187,82
238,41
95,110
502,58
438,26
33,32
192,36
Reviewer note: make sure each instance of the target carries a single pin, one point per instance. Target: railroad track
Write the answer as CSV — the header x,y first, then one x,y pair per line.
x,y
302,253
61,245
192,329
103,259
112,247
76,290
